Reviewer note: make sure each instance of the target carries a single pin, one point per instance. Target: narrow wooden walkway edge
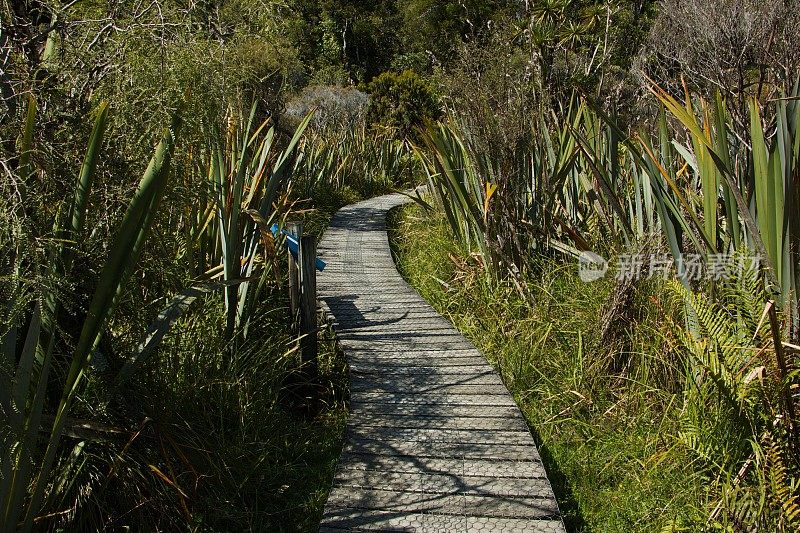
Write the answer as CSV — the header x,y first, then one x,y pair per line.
x,y
434,440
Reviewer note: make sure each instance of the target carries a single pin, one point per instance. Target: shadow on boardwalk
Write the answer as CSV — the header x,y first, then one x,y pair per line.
x,y
434,441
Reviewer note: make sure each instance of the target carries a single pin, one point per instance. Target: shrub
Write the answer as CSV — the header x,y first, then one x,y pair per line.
x,y
401,102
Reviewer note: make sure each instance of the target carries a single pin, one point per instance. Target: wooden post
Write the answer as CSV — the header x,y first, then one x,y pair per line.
x,y
296,229
308,302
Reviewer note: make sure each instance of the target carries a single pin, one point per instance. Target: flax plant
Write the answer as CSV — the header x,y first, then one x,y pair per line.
x,y
359,158
26,469
756,184
245,174
548,197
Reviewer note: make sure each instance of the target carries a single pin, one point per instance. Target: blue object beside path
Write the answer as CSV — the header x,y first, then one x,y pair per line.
x,y
294,246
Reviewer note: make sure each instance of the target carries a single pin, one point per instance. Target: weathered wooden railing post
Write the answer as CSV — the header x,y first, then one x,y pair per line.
x,y
308,301
303,265
294,228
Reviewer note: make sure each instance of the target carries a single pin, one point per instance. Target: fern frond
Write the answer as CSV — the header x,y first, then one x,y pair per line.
x,y
782,493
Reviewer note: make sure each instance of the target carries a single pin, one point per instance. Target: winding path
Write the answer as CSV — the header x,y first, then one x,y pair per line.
x,y
434,440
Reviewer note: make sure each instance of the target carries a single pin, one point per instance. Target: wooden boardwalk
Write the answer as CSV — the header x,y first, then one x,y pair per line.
x,y
434,440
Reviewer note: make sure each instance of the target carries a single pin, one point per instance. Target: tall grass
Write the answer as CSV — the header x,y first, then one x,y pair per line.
x,y
696,185
557,192
691,434
581,173
25,405
245,196
361,159
112,422
756,184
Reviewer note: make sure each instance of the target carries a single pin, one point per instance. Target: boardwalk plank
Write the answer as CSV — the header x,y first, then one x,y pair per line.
x,y
434,440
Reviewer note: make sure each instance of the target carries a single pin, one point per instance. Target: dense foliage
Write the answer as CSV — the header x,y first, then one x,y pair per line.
x,y
402,103
149,375
639,175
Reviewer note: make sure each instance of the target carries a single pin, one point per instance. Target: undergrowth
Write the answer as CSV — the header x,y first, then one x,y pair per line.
x,y
216,445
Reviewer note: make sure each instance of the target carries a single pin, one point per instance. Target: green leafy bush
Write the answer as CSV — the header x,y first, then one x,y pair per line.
x,y
401,102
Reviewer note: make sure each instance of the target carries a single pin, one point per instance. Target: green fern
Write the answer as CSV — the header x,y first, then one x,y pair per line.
x,y
732,416
782,489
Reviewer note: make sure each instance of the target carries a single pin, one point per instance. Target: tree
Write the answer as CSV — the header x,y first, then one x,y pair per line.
x,y
359,35
438,26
